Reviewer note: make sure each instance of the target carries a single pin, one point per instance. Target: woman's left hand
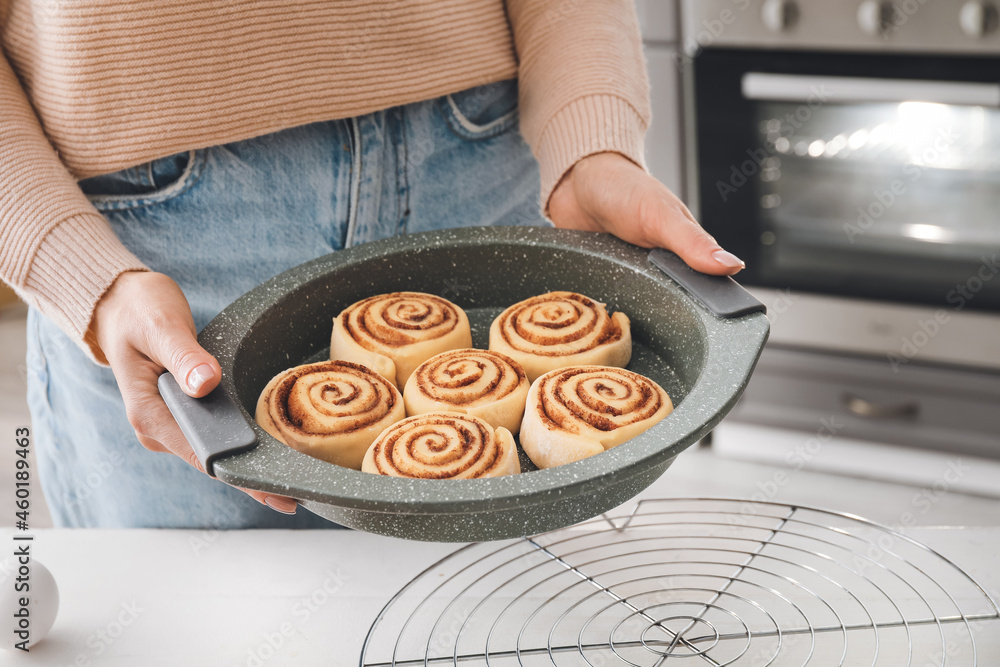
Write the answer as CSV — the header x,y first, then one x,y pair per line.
x,y
607,192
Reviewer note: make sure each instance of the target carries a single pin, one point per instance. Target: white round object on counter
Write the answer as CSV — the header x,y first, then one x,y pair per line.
x,y
29,602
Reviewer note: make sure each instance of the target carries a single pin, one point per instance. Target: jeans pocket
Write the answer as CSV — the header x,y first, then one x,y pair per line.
x,y
482,112
142,185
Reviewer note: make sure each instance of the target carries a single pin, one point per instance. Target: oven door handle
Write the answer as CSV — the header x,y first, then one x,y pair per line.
x,y
823,89
871,410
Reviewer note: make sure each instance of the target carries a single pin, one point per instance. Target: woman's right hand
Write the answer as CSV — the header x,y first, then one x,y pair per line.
x,y
143,326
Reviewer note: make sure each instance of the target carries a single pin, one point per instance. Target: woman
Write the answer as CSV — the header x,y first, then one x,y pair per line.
x,y
202,147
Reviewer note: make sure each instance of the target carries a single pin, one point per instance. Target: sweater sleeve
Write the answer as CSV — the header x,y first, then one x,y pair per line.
x,y
56,250
582,79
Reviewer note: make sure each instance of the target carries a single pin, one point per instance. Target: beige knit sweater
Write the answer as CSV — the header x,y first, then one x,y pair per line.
x,y
93,86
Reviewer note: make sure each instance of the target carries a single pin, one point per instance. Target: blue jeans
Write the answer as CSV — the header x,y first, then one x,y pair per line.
x,y
221,220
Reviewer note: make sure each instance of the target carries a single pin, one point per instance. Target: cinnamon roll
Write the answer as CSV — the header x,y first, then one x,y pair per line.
x,y
484,384
576,412
561,329
332,410
443,445
394,333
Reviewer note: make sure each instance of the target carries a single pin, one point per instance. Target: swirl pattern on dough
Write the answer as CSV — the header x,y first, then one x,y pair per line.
x,y
561,329
332,410
485,384
443,445
394,333
400,318
580,411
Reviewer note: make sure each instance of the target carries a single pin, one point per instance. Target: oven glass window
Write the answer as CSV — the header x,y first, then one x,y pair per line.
x,y
876,191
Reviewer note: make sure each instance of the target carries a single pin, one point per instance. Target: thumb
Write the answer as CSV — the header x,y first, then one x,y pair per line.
x,y
672,226
197,372
628,202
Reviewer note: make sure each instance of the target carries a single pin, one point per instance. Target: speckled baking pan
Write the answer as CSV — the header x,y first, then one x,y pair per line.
x,y
702,358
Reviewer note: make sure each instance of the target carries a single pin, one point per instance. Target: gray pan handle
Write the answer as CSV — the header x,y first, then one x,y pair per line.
x,y
213,425
720,294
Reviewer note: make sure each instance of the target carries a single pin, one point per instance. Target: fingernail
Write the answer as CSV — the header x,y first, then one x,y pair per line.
x,y
283,505
728,260
198,376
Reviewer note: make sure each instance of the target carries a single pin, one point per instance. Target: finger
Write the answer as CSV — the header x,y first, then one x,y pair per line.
x,y
179,447
667,223
156,429
149,416
161,433
175,347
277,503
158,432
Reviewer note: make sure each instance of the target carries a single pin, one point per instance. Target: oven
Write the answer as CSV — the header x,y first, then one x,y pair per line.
x,y
850,153
847,174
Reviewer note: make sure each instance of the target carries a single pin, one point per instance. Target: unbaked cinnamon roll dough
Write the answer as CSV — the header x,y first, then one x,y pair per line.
x,y
554,373
481,383
573,413
394,333
332,410
561,329
443,445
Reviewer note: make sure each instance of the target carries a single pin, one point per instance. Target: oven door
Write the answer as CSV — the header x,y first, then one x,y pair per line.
x,y
867,175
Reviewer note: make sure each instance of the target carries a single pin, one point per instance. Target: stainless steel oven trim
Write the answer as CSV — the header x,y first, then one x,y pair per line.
x,y
912,26
803,88
901,334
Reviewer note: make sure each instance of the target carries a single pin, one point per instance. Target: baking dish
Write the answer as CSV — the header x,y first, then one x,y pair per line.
x,y
696,335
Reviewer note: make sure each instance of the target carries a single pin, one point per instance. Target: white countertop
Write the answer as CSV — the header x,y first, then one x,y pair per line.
x,y
213,598
206,598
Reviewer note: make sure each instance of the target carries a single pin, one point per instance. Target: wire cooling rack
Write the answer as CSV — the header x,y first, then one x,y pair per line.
x,y
693,581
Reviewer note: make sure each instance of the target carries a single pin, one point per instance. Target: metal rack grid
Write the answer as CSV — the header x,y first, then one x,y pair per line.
x,y
698,581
